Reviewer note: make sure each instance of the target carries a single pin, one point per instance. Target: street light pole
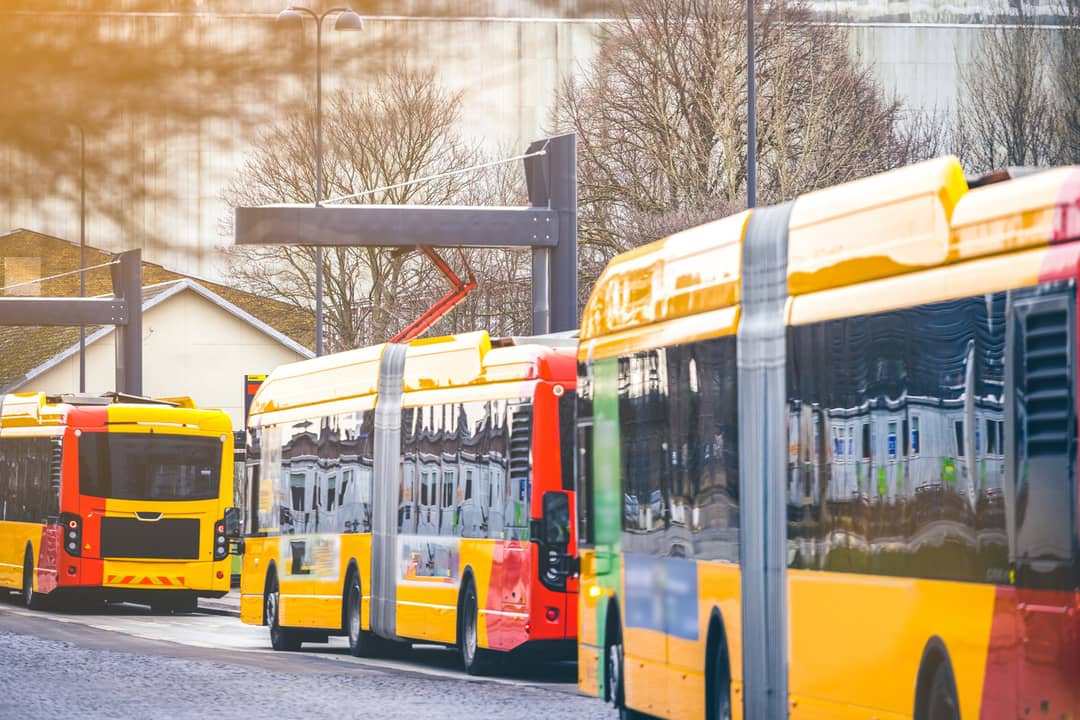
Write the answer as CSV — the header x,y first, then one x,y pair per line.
x,y
347,20
751,110
318,186
82,253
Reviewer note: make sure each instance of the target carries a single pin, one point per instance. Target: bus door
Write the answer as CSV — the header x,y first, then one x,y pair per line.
x,y
516,561
1043,487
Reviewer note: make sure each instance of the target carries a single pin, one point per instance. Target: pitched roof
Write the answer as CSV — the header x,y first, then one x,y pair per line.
x,y
27,351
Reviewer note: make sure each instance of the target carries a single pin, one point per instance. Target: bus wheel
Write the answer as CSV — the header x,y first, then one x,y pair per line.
x,y
475,659
360,642
280,638
31,599
719,693
943,704
615,692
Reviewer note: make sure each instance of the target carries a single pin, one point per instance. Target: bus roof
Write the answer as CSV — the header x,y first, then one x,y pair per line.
x,y
32,409
913,218
441,362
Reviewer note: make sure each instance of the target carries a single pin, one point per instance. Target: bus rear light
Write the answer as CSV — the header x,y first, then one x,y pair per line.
x,y
552,614
72,533
220,575
221,547
72,570
528,628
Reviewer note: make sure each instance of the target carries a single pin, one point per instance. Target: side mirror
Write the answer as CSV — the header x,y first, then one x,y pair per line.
x,y
232,523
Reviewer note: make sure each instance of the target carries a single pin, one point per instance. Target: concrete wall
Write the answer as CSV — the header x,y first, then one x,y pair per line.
x,y
507,57
190,347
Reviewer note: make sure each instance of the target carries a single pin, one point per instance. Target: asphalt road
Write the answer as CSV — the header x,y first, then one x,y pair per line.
x,y
123,662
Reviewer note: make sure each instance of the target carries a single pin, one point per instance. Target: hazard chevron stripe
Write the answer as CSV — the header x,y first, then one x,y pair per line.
x,y
145,581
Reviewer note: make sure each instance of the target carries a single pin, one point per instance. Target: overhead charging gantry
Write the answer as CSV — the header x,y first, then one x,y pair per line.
x,y
548,225
123,310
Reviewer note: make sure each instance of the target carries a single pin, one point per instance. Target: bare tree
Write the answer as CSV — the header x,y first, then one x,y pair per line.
x,y
401,128
1006,112
1067,76
661,117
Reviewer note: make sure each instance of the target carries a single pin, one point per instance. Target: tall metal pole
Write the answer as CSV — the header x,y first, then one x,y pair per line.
x,y
751,110
318,184
82,254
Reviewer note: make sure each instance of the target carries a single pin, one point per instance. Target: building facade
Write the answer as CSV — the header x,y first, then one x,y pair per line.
x,y
506,57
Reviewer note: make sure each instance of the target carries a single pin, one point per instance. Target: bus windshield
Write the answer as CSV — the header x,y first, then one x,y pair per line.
x,y
149,466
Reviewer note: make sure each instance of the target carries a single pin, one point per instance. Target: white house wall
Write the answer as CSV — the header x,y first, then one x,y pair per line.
x,y
190,347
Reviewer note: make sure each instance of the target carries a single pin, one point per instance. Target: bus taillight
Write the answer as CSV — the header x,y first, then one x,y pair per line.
x,y
72,525
221,545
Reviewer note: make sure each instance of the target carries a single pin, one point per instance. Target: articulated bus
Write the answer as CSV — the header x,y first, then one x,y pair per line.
x,y
114,497
418,492
922,335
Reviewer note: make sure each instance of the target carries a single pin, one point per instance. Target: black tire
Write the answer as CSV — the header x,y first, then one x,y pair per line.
x,y
942,703
30,598
281,639
361,643
615,689
475,659
718,696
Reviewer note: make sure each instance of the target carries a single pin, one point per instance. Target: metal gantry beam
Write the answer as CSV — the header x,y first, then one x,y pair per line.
x,y
396,226
548,225
124,310
30,311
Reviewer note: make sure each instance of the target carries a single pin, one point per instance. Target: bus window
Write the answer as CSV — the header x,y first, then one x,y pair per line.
x,y
566,438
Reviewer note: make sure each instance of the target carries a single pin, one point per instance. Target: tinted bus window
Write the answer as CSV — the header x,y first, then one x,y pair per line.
x,y
29,479
583,481
566,439
149,466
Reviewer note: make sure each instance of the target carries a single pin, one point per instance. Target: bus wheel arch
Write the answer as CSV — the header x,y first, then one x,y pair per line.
x,y
935,686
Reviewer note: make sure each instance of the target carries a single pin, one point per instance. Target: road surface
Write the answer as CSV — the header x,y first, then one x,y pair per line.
x,y
123,662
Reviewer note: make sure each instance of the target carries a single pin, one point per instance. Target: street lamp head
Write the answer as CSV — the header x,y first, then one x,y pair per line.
x,y
288,16
348,20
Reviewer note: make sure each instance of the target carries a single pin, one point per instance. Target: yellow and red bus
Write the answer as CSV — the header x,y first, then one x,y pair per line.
x,y
114,497
923,334
419,492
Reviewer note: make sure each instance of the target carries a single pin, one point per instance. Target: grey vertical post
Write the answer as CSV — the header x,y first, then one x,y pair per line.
x,y
762,467
386,483
541,287
82,253
563,300
552,183
127,285
318,180
751,109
